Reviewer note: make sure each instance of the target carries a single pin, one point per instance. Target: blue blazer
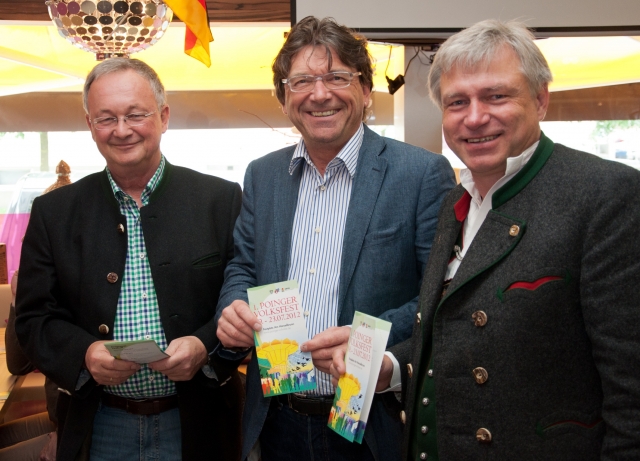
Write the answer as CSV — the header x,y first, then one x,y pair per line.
x,y
391,221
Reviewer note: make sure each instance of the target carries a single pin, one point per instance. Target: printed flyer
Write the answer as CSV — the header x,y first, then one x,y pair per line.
x,y
142,351
283,367
356,388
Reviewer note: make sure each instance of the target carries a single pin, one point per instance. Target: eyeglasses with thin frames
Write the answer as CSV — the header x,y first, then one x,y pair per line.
x,y
332,81
106,123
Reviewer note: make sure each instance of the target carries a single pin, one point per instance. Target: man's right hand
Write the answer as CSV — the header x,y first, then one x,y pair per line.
x,y
236,326
106,369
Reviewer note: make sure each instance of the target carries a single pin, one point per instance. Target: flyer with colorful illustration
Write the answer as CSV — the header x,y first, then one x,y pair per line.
x,y
356,388
283,367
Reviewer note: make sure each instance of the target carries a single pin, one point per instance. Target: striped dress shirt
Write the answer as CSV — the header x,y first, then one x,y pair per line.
x,y
317,237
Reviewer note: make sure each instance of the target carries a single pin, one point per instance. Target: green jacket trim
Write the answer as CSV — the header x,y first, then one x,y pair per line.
x,y
525,175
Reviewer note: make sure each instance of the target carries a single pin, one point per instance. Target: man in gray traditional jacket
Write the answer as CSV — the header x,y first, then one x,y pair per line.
x,y
526,344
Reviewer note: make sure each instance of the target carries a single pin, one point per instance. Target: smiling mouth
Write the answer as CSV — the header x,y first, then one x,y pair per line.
x,y
485,139
325,113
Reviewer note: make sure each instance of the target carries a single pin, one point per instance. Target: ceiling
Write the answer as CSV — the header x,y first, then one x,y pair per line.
x,y
34,57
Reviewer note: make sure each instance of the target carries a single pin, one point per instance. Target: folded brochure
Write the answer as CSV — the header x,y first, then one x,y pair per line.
x,y
283,367
356,388
142,351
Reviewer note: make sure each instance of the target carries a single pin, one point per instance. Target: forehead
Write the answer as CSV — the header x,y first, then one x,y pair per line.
x,y
502,69
314,59
120,88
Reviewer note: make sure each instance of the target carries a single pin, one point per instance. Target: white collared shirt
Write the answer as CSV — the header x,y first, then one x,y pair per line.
x,y
479,207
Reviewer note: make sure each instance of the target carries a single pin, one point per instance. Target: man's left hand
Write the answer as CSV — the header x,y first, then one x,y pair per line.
x,y
188,355
323,345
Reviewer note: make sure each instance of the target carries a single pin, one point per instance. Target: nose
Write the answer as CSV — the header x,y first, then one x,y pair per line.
x,y
477,115
122,128
320,92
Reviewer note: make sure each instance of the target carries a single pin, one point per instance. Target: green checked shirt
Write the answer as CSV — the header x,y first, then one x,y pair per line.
x,y
138,315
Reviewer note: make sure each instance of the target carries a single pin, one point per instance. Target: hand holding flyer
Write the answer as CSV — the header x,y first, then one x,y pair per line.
x,y
357,386
283,367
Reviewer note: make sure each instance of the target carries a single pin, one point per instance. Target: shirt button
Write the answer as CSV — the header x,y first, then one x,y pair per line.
x,y
144,295
306,313
312,270
423,456
317,229
425,401
323,187
430,373
151,378
142,255
126,199
424,429
147,336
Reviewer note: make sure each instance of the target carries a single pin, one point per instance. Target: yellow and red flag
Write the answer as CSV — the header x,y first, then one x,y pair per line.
x,y
198,34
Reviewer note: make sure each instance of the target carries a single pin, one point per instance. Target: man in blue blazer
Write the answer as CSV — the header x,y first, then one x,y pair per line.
x,y
349,215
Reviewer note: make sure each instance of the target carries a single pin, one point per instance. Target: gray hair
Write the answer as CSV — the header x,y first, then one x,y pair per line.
x,y
480,43
122,65
350,48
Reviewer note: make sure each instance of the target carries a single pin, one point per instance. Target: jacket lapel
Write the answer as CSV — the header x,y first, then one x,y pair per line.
x,y
364,194
497,237
285,189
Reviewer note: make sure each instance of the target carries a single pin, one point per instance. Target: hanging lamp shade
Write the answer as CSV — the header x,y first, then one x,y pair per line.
x,y
110,28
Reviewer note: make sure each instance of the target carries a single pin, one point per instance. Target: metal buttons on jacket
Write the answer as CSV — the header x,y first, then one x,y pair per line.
x,y
514,230
483,435
403,417
103,329
410,370
480,375
112,277
418,317
479,318
121,228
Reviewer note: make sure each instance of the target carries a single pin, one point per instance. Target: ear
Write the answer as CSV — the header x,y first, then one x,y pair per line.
x,y
542,99
164,117
88,120
366,91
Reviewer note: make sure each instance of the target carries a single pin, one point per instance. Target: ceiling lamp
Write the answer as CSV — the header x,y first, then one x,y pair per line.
x,y
110,28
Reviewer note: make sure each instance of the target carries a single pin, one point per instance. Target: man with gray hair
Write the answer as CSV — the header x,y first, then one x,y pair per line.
x,y
525,346
135,252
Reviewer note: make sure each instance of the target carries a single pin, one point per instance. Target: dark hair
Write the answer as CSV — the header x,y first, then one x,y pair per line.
x,y
121,65
350,48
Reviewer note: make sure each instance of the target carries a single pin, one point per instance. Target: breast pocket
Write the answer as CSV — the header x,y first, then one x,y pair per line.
x,y
535,284
380,237
210,260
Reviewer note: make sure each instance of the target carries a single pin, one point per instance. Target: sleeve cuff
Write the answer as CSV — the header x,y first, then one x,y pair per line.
x,y
396,379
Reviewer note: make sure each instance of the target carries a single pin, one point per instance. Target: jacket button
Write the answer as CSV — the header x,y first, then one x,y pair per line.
x,y
423,456
430,373
103,329
479,318
425,401
418,317
480,375
483,435
514,230
121,228
403,417
410,370
112,277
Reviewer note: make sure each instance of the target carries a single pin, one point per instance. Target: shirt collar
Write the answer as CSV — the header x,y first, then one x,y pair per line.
x,y
148,189
514,164
347,155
